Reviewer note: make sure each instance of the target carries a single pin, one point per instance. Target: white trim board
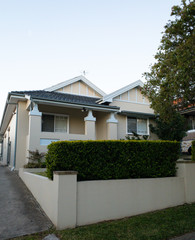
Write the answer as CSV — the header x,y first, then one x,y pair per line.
x,y
73,80
143,103
109,97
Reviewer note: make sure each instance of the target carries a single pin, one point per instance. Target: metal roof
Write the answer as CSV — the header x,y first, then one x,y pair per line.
x,y
137,114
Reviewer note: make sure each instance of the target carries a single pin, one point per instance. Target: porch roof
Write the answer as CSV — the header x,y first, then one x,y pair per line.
x,y
137,114
64,98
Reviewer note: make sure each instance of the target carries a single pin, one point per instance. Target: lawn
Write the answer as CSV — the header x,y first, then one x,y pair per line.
x,y
44,174
158,225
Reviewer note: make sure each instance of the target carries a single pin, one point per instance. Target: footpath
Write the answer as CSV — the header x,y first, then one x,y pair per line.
x,y
20,214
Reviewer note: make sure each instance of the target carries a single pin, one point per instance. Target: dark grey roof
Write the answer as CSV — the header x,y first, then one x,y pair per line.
x,y
62,97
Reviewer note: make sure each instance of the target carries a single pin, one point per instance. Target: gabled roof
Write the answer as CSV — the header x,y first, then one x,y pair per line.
x,y
109,97
74,80
62,98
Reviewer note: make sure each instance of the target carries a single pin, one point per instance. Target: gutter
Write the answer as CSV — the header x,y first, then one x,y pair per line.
x,y
5,109
10,95
137,114
91,107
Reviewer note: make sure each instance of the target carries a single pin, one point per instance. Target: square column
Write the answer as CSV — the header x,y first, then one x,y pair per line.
x,y
34,129
90,126
112,126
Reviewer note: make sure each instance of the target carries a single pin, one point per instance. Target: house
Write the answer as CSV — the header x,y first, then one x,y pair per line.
x,y
72,110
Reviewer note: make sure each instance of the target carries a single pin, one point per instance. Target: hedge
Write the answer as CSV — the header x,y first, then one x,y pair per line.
x,y
95,160
193,150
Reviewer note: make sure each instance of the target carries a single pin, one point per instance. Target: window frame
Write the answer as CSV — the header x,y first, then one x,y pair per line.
x,y
56,114
147,125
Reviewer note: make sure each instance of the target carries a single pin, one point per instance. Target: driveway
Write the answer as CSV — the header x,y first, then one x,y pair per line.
x,y
20,214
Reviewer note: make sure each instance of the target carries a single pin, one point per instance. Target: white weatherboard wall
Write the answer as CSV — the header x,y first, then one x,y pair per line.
x,y
69,203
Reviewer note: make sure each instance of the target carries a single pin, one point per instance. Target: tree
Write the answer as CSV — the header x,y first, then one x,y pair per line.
x,y
170,84
174,129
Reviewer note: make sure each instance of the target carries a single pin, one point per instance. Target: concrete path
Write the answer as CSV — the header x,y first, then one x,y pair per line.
x,y
20,214
188,236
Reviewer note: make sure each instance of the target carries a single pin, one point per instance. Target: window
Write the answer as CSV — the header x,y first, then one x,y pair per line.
x,y
136,125
45,141
54,123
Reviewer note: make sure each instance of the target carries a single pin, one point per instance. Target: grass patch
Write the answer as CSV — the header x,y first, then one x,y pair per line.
x,y
44,174
159,225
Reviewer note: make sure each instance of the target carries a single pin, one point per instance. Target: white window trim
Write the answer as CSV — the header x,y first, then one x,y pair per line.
x,y
148,130
56,114
120,100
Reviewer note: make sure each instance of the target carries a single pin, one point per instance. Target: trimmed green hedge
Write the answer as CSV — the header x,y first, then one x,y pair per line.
x,y
193,150
95,160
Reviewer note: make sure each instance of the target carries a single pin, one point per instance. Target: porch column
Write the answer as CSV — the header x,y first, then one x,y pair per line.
x,y
112,124
34,129
90,126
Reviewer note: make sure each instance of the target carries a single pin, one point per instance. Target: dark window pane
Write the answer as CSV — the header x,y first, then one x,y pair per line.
x,y
47,123
131,125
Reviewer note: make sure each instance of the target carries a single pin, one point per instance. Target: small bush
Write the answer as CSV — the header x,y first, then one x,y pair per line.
x,y
193,150
95,160
35,165
36,156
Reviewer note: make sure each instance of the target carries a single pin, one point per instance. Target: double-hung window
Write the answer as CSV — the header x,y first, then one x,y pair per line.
x,y
137,125
54,123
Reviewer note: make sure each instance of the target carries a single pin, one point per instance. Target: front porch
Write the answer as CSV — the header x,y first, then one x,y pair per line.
x,y
58,123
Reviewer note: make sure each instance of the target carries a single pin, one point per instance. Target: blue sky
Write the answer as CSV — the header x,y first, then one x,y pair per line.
x,y
44,42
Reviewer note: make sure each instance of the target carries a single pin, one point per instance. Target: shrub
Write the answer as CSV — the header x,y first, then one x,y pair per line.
x,y
36,156
95,160
193,150
35,165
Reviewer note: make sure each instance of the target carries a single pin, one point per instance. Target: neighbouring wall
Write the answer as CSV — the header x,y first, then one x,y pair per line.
x,y
9,142
22,133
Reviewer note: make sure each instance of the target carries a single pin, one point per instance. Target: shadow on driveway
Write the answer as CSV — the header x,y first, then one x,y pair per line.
x,y
20,214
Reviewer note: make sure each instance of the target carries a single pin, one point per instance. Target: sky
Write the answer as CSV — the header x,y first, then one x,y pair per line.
x,y
45,42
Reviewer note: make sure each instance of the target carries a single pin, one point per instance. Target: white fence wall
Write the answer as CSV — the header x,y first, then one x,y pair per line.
x,y
105,200
69,203
44,190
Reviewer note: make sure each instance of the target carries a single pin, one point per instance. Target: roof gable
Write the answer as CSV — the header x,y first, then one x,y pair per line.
x,y
111,96
72,81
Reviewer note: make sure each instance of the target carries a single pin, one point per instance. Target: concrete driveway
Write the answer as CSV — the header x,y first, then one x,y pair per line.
x,y
20,214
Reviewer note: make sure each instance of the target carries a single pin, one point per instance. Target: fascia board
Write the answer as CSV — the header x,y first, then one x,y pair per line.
x,y
4,112
109,97
8,110
73,80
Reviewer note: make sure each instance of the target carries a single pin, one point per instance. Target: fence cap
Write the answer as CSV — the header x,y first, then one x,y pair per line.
x,y
65,172
186,161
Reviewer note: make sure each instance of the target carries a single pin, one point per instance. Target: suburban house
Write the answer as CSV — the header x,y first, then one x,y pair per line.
x,y
72,110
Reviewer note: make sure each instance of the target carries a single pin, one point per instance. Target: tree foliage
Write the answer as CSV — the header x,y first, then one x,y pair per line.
x,y
170,83
174,129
